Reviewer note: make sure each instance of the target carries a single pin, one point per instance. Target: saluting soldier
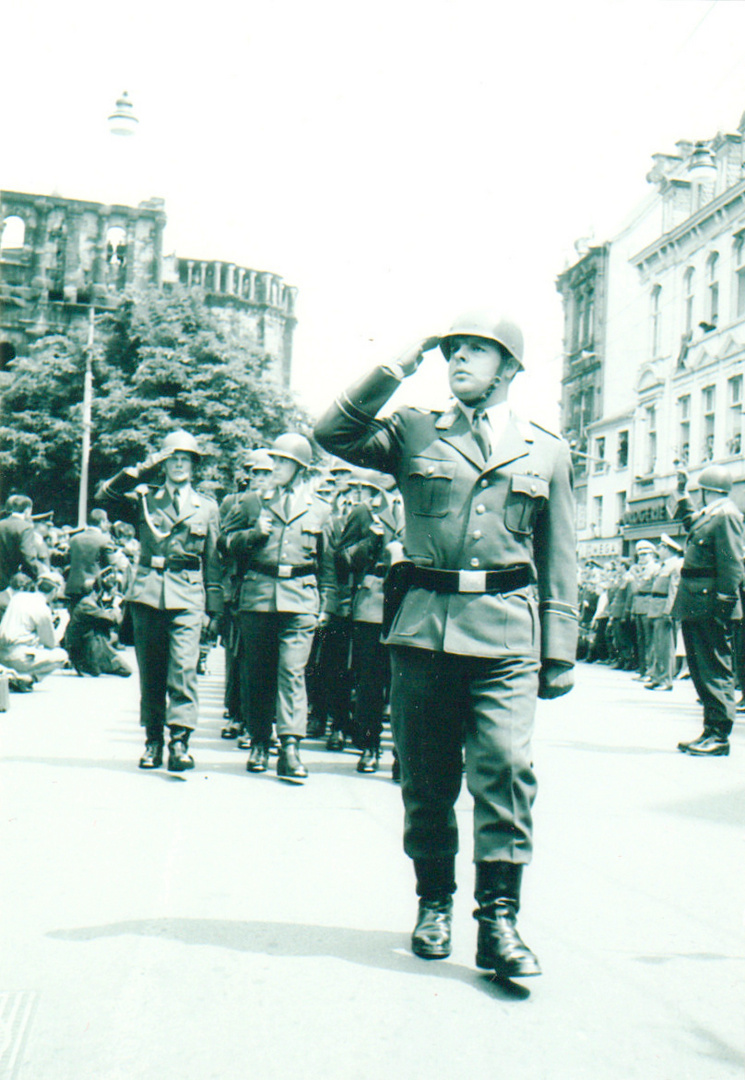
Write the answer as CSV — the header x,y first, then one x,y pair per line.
x,y
707,601
177,575
487,621
280,547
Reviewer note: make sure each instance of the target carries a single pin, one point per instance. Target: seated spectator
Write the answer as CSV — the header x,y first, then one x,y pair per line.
x,y
29,640
92,627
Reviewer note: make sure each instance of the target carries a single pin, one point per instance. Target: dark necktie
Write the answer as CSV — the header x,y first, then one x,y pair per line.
x,y
481,429
177,503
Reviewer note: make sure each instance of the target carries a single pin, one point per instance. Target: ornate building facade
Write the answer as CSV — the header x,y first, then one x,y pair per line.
x,y
59,257
670,343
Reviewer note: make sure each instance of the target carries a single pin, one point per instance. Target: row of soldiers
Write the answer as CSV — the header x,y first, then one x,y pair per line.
x,y
289,571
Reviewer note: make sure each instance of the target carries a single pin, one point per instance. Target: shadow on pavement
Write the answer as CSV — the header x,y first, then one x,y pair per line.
x,y
371,948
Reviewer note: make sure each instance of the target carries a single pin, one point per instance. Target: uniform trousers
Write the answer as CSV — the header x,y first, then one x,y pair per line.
x,y
441,701
644,642
371,674
709,652
167,651
231,640
332,679
663,649
275,648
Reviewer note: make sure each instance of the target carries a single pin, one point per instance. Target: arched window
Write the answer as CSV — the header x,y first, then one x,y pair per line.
x,y
712,273
13,233
688,287
656,294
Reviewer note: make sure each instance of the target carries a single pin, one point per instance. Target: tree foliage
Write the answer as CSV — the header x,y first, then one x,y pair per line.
x,y
161,360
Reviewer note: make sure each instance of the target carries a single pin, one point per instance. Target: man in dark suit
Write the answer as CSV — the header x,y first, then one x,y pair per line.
x,y
708,600
90,551
18,547
178,567
487,622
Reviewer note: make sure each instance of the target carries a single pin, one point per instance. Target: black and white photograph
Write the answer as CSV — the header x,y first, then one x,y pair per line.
x,y
372,540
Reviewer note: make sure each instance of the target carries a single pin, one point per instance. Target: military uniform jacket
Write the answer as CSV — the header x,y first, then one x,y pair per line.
x,y
166,537
664,588
369,530
335,577
296,540
643,592
713,562
465,513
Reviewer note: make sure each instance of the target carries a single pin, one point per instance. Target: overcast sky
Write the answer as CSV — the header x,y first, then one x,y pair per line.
x,y
398,161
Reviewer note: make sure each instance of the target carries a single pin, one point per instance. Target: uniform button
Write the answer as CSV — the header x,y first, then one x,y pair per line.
x,y
485,483
430,470
480,509
533,488
477,534
474,562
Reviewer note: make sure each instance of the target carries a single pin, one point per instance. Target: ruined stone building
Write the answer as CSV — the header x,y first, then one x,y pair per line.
x,y
60,256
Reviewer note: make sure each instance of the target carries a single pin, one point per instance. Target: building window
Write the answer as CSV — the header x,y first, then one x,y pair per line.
x,y
599,462
651,439
623,449
684,429
712,267
734,415
597,513
739,253
13,233
620,506
656,293
708,398
580,499
688,287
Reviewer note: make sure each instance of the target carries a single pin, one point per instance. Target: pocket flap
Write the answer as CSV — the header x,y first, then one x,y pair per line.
x,y
432,468
534,486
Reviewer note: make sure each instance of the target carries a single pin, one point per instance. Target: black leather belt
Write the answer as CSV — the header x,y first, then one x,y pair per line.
x,y
283,570
694,572
171,562
472,581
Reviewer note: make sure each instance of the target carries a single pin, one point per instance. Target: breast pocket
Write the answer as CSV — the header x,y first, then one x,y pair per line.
x,y
430,485
524,499
197,535
309,542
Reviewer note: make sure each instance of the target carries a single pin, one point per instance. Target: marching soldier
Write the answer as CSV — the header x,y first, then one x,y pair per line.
x,y
280,547
708,600
178,567
486,622
373,525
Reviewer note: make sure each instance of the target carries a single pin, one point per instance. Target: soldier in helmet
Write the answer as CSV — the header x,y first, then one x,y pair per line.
x,y
486,621
279,548
708,600
177,575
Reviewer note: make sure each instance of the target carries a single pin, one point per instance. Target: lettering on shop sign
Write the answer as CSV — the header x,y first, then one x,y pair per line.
x,y
645,515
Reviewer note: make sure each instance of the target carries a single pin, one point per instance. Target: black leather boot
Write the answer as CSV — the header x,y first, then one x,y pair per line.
x,y
709,744
435,885
179,758
500,948
258,759
153,756
289,765
369,760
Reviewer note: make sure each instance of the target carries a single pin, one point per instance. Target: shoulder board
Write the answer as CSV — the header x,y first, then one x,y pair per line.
x,y
547,431
142,489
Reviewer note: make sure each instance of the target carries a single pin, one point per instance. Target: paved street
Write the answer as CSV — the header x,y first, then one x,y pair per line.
x,y
229,926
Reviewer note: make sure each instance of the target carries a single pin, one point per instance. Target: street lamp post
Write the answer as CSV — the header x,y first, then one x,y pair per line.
x,y
122,122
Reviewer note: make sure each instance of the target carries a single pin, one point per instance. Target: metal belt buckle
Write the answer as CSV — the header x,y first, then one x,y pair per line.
x,y
284,570
472,581
158,562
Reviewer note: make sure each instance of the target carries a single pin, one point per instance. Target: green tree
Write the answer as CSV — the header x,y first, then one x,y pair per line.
x,y
161,360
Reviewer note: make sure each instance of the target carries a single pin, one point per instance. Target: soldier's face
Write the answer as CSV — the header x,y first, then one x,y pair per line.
x,y
260,479
284,471
179,467
473,364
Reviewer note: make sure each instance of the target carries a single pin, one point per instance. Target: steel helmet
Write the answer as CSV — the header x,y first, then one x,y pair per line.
x,y
293,446
716,478
181,440
371,478
485,325
259,460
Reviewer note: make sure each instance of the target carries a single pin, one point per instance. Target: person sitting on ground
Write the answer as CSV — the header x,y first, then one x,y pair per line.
x,y
92,627
29,640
